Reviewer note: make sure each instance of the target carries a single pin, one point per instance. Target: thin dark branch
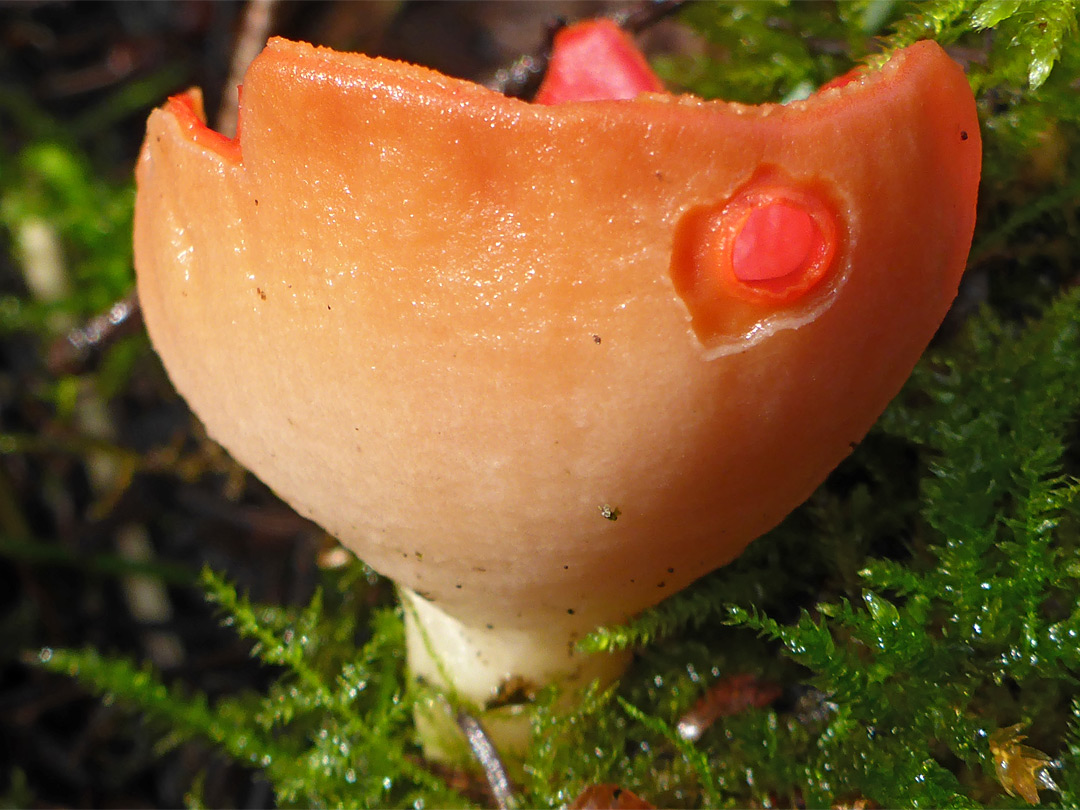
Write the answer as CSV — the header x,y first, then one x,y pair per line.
x,y
255,29
522,77
649,14
74,352
488,758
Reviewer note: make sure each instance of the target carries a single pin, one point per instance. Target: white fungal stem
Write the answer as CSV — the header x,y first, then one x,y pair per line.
x,y
480,664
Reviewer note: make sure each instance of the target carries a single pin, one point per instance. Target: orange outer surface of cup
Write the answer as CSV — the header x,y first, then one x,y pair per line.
x,y
482,343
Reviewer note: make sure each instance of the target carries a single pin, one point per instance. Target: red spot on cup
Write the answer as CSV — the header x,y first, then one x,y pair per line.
x,y
775,240
766,248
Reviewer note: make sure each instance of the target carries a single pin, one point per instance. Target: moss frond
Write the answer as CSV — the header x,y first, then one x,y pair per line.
x,y
1029,37
941,20
333,731
186,715
761,51
911,672
697,605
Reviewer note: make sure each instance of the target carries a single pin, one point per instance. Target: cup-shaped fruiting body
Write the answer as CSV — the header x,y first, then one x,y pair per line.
x,y
546,365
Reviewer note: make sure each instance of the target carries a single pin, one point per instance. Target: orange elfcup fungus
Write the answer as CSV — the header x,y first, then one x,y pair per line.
x,y
545,365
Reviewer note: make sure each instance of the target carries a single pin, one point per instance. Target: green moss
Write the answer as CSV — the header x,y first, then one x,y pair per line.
x,y
761,51
51,186
333,731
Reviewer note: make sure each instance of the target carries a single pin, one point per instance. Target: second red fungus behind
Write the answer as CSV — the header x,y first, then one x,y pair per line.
x,y
595,61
